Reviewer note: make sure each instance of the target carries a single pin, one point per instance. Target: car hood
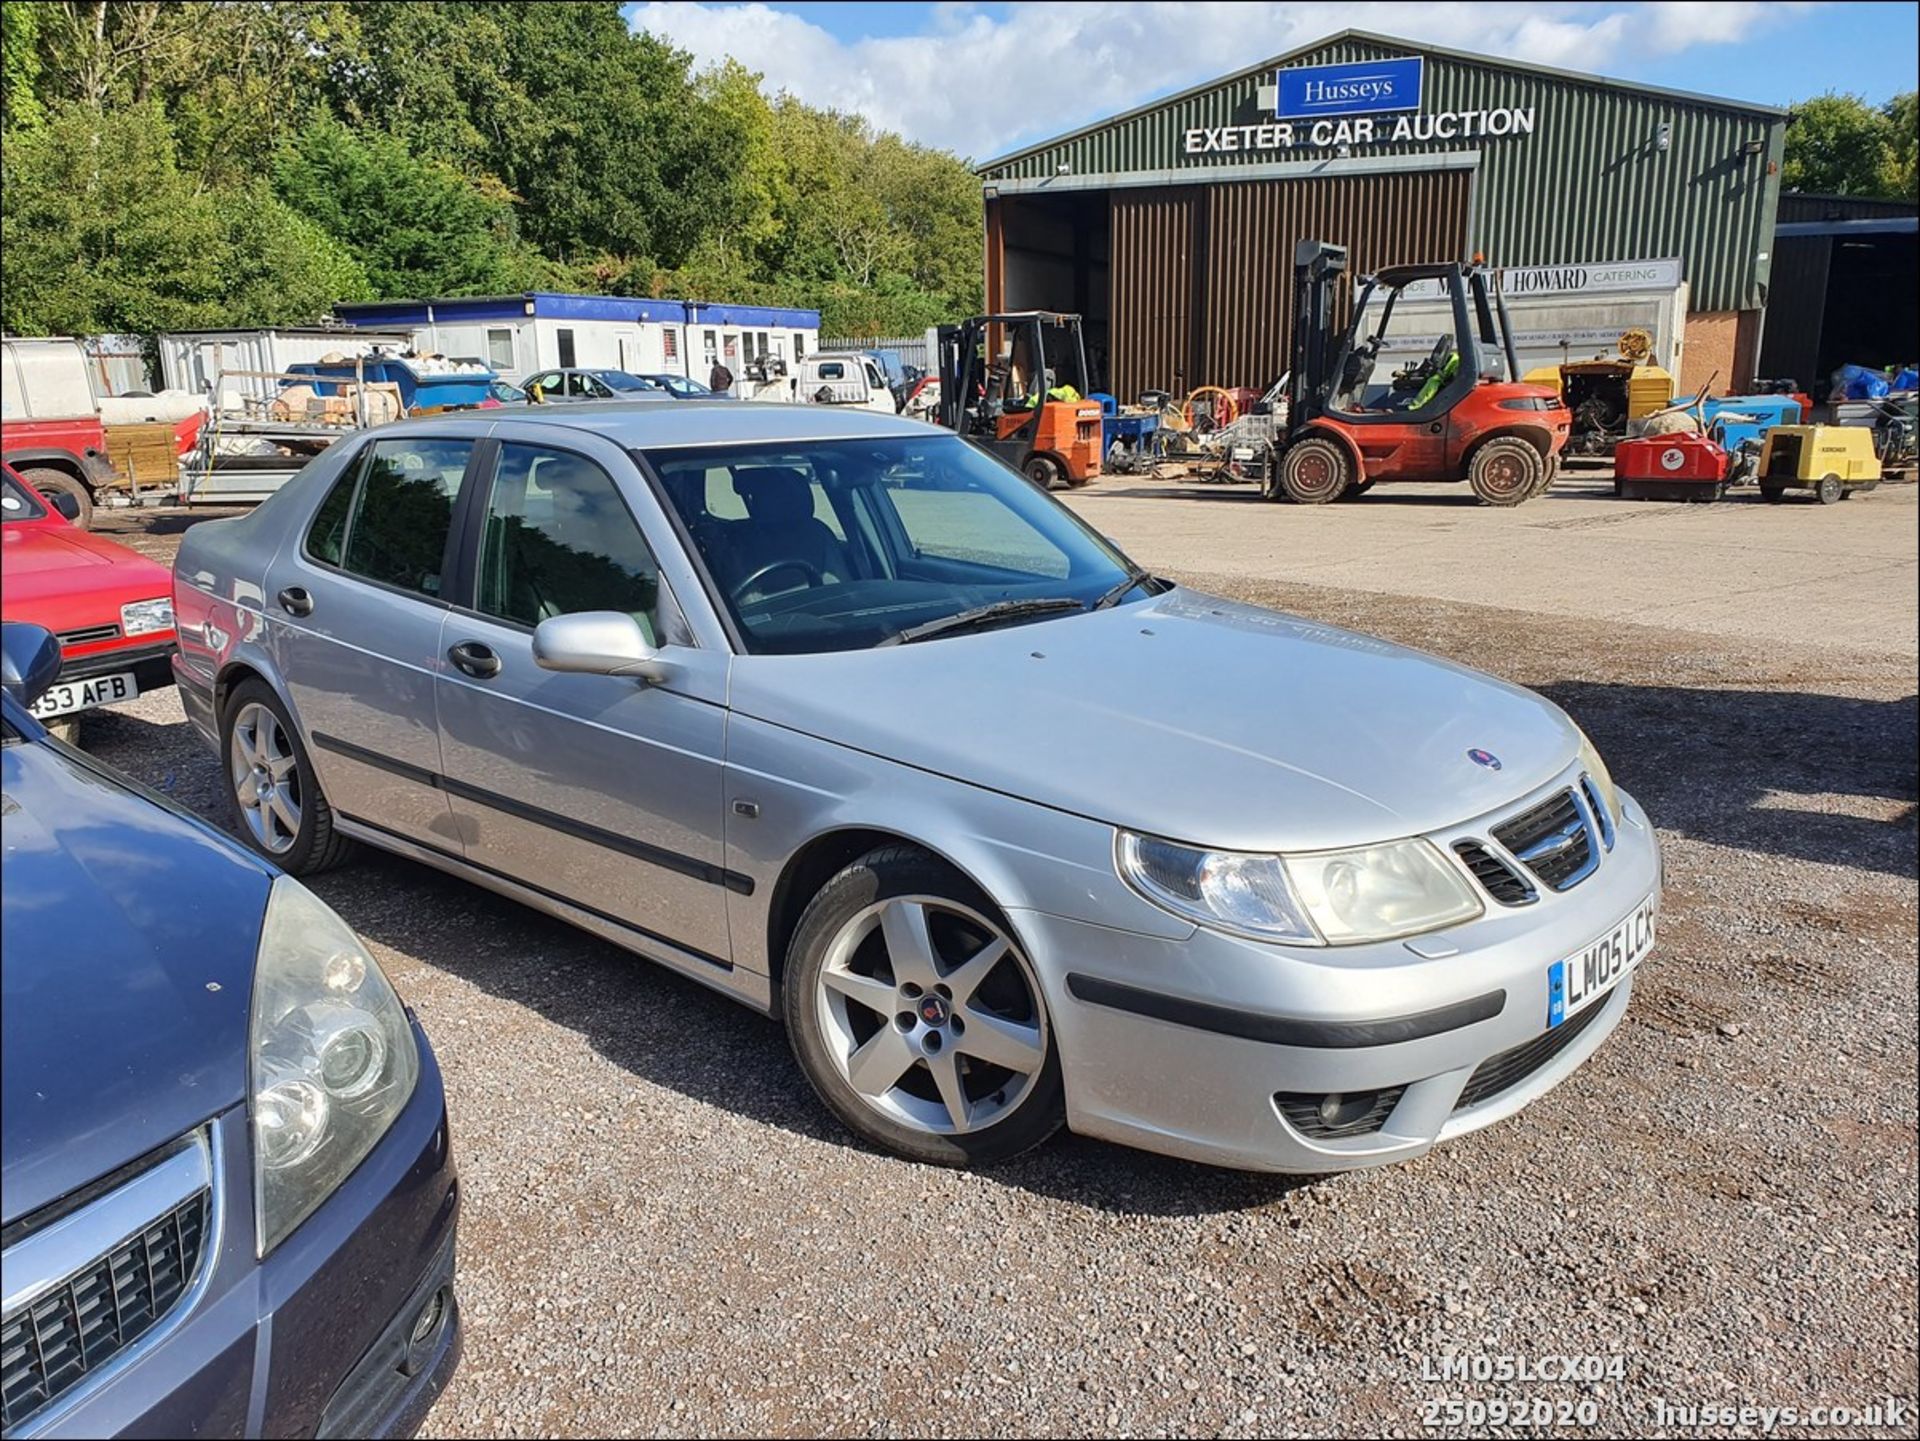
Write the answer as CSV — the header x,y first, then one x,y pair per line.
x,y
1186,716
48,563
129,935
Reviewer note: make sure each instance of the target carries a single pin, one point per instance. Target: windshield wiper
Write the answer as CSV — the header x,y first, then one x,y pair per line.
x,y
1113,596
983,615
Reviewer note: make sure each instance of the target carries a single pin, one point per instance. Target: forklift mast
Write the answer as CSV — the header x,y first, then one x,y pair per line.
x,y
1315,265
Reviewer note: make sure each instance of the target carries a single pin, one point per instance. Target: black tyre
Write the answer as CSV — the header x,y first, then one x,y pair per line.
x,y
1549,473
1830,490
917,1018
278,806
1357,489
1505,471
51,482
1314,471
1044,471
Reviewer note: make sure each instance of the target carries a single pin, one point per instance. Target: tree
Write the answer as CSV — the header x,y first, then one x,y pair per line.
x,y
1840,145
103,232
417,227
20,106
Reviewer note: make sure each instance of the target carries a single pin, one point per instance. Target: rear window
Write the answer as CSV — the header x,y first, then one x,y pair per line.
x,y
397,530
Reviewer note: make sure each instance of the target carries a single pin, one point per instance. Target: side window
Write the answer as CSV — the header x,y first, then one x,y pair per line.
x,y
559,539
398,533
328,533
500,349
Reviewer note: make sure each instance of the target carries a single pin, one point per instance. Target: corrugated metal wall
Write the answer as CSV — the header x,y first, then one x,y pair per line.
x,y
1589,184
1151,283
1251,228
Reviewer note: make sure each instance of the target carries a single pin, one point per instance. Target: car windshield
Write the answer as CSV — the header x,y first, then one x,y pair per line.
x,y
17,502
845,544
620,380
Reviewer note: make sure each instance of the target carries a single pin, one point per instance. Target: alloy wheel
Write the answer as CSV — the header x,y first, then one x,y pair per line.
x,y
931,1015
266,778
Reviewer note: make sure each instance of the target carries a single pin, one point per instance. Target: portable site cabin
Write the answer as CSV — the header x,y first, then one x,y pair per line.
x,y
517,335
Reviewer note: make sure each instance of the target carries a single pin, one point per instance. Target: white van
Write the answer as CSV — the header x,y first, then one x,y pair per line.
x,y
834,377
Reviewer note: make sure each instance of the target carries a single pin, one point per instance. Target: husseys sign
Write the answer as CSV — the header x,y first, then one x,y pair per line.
x,y
1324,107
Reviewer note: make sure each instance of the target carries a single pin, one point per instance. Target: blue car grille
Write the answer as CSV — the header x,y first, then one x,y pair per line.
x,y
51,1344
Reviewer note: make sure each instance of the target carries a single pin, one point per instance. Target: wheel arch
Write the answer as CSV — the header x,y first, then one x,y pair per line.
x,y
1320,430
823,856
1537,436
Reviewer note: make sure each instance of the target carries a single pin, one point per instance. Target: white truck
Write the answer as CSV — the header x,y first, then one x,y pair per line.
x,y
833,377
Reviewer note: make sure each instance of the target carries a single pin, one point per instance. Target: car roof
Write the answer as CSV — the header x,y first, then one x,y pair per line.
x,y
660,424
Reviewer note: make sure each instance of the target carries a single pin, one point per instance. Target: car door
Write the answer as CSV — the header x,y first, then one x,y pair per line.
x,y
357,607
603,791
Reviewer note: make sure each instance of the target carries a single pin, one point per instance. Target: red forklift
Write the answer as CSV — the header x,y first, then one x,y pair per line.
x,y
1458,413
1015,385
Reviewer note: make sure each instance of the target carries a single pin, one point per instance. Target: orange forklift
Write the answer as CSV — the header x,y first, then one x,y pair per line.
x,y
1458,413
1015,385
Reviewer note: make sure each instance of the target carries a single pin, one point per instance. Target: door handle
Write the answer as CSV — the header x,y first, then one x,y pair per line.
x,y
294,600
475,659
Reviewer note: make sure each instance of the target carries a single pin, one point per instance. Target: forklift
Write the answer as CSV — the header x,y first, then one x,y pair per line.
x,y
1455,414
1015,385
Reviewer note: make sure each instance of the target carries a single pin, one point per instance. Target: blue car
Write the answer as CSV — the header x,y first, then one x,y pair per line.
x,y
229,1194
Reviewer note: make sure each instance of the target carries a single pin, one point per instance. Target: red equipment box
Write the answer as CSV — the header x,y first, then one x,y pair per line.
x,y
1669,467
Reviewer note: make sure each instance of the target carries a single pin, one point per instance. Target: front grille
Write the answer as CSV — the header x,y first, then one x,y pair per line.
x,y
1355,1113
87,635
1552,840
1502,881
50,1344
1509,1068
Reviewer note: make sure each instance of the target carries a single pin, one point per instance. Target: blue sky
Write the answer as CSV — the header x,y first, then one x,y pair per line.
x,y
986,78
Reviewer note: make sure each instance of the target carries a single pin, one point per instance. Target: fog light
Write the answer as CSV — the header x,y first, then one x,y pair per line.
x,y
426,1330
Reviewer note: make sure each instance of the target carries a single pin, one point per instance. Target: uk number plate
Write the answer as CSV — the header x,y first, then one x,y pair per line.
x,y
66,697
1580,980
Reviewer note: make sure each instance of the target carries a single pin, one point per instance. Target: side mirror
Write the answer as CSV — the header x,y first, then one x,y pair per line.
x,y
598,642
66,504
29,660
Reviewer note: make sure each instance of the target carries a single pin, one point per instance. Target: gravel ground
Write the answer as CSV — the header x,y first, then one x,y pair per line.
x,y
664,1233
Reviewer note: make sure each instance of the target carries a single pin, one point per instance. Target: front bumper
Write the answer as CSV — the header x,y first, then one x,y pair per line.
x,y
272,1347
151,664
1185,1046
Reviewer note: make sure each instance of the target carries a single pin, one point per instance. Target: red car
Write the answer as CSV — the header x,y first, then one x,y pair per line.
x,y
111,608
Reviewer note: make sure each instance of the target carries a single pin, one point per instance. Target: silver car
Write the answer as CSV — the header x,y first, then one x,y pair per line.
x,y
835,714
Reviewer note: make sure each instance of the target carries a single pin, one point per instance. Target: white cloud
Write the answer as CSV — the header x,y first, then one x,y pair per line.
x,y
981,84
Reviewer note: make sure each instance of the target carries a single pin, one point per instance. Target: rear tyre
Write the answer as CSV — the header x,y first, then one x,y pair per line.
x,y
1314,471
57,482
916,1016
1505,471
1045,472
1773,494
276,799
1830,490
1550,472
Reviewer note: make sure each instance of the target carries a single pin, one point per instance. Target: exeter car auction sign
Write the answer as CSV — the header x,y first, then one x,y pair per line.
x,y
1324,107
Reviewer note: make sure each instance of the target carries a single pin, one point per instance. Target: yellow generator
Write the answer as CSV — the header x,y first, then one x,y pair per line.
x,y
1604,394
1833,461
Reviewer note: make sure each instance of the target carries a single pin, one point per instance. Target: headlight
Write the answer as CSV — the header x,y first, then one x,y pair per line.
x,y
333,1058
1369,893
144,617
1596,769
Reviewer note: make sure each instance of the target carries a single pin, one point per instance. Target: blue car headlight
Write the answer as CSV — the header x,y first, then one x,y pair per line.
x,y
333,1058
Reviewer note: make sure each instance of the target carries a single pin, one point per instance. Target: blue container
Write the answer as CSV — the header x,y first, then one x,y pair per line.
x,y
1767,411
1137,432
417,391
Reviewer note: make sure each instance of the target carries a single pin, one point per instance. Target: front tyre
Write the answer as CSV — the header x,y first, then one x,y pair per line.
x,y
916,1016
1045,472
282,813
1314,471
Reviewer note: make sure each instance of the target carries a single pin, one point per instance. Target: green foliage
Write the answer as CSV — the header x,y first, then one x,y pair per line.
x,y
1840,145
174,164
103,231
418,227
